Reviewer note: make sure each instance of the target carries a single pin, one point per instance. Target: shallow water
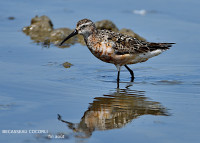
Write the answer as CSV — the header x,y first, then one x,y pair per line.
x,y
161,105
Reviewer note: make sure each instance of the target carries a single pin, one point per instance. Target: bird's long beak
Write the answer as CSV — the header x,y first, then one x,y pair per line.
x,y
70,35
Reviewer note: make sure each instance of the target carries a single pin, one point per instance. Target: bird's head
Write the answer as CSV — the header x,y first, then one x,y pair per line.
x,y
84,27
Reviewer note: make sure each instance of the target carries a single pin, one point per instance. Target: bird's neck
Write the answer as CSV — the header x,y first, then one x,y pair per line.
x,y
90,37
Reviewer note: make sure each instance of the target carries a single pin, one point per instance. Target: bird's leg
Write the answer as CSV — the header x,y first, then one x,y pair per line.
x,y
118,79
131,72
118,76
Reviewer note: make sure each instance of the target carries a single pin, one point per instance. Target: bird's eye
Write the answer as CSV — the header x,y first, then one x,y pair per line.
x,y
83,26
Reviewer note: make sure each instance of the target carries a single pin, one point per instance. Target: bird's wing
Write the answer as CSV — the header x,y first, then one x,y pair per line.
x,y
124,44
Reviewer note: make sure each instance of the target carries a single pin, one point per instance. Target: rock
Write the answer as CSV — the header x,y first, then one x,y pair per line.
x,y
39,25
39,30
106,24
67,65
11,18
58,35
131,33
41,19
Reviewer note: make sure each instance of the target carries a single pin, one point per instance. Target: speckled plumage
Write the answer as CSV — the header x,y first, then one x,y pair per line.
x,y
116,48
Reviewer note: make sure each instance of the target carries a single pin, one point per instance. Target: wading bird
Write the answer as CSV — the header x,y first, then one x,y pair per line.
x,y
118,49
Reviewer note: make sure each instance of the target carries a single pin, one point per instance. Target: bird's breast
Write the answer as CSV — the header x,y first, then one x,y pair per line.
x,y
102,51
105,52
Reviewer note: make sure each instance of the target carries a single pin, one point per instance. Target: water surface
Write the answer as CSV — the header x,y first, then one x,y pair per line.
x,y
161,105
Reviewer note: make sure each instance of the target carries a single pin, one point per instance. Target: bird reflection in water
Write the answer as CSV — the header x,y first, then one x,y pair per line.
x,y
114,111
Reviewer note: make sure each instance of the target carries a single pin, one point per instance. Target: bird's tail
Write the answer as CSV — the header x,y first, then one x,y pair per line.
x,y
161,46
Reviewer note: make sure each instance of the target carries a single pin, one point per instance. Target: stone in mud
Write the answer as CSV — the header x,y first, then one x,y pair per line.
x,y
58,35
11,18
39,30
67,65
129,32
106,24
39,24
41,19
